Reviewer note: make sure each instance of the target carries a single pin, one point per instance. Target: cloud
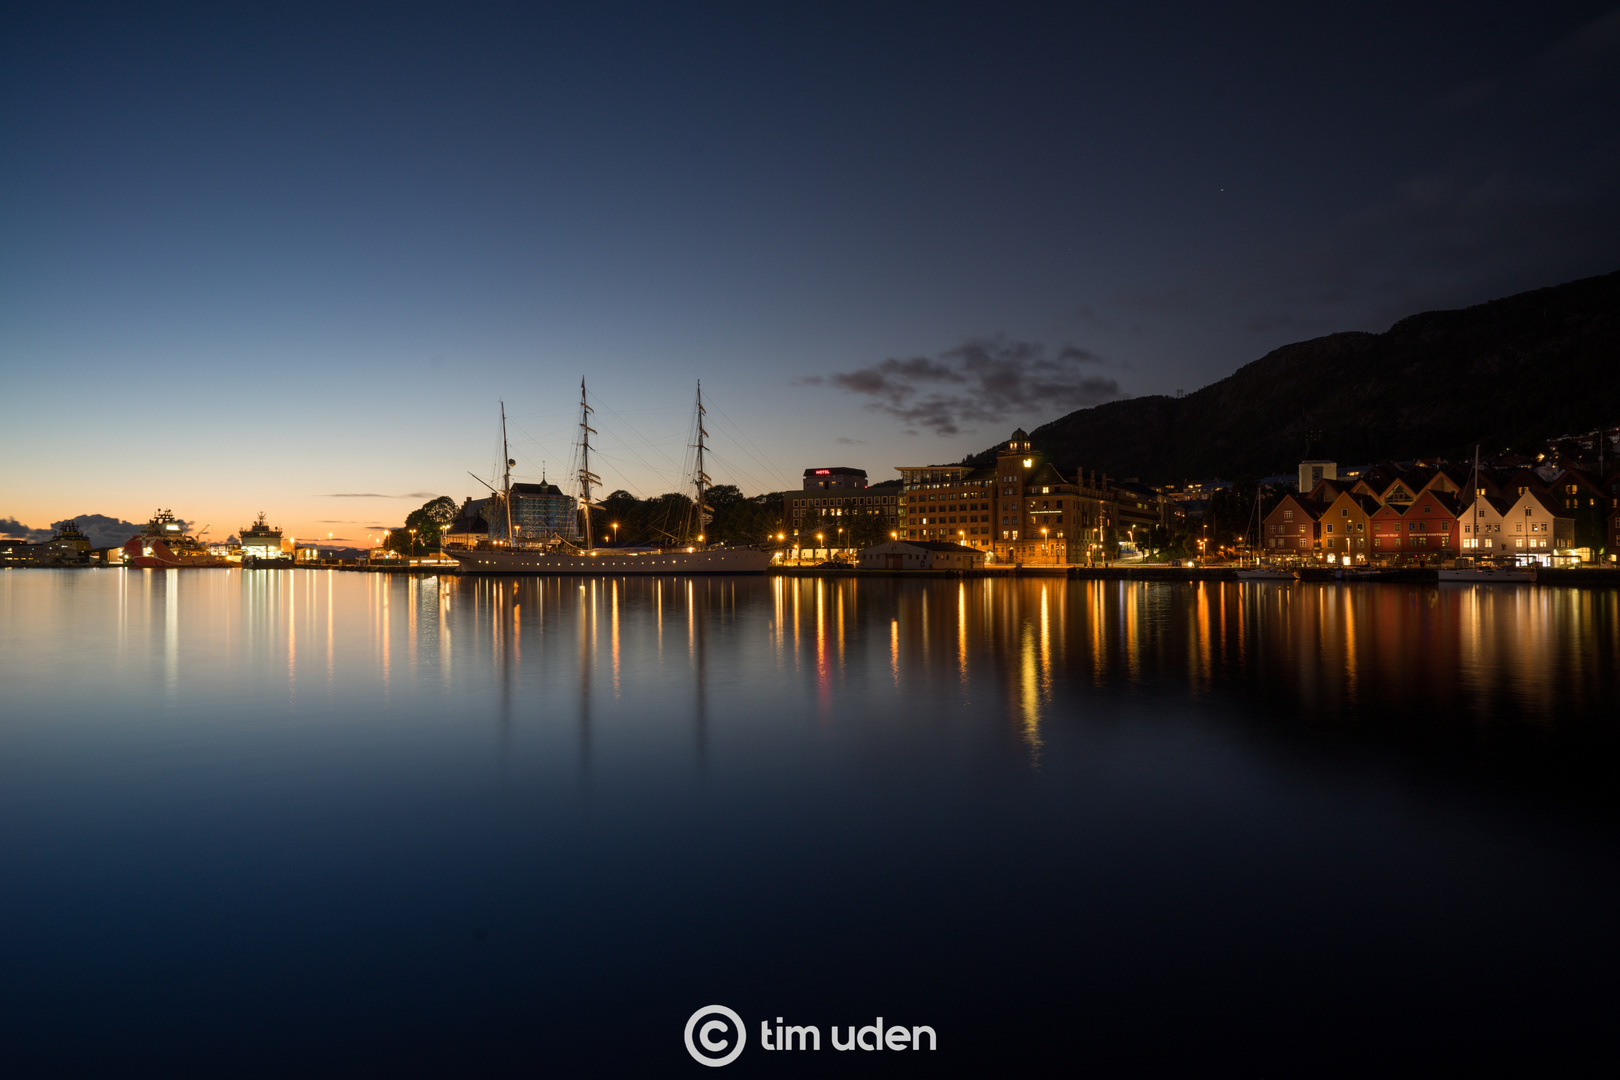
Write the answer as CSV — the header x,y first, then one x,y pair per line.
x,y
985,380
102,531
845,440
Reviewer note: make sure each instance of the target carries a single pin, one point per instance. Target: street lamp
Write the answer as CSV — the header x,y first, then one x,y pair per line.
x,y
1043,543
615,533
818,543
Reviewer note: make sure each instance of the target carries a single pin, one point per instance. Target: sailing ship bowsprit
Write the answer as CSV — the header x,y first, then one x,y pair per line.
x,y
555,554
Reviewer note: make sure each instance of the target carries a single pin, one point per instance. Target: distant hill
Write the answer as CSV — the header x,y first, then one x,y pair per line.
x,y
1501,374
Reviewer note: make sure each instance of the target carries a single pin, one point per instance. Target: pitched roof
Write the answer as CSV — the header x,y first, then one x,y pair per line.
x,y
1046,474
1445,499
1547,503
931,545
541,488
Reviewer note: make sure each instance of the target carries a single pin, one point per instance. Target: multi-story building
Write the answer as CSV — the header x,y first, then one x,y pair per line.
x,y
1530,527
948,503
1293,527
1041,516
1022,509
1139,510
834,479
1346,524
540,513
845,517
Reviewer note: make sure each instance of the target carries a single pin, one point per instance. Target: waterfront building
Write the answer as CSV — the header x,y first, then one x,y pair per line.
x,y
16,553
1582,494
948,503
1346,524
922,555
1293,527
1529,528
1482,518
847,516
540,513
1425,527
1041,517
1138,510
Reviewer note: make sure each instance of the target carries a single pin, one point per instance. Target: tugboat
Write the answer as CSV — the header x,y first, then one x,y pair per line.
x,y
67,547
261,546
164,545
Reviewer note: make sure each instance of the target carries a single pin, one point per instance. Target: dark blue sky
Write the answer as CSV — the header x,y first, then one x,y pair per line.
x,y
335,239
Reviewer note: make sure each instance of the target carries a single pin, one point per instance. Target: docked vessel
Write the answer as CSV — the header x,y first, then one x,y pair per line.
x,y
555,554
164,545
1265,573
261,546
66,547
1488,574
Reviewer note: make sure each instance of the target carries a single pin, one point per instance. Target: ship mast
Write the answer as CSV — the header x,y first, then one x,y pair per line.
x,y
506,481
701,479
585,474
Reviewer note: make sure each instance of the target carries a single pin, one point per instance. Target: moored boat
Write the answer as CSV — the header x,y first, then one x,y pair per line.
x,y
557,555
66,547
261,546
1265,573
1489,574
164,545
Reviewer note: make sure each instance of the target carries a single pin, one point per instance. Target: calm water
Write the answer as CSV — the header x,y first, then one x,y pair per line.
x,y
316,823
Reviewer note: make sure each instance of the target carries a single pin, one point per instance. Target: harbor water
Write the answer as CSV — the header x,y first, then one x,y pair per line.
x,y
304,822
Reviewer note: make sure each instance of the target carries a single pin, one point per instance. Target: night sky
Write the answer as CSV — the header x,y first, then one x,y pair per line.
x,y
293,259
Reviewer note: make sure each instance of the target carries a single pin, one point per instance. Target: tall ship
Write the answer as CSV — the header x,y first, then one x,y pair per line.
x,y
554,553
164,545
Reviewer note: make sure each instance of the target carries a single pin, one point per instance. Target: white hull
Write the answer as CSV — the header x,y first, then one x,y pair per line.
x,y
715,561
1487,575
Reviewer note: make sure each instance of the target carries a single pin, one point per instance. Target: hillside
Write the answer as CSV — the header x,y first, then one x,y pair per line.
x,y
1504,373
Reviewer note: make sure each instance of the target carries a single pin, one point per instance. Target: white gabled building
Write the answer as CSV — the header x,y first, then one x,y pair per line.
x,y
1526,528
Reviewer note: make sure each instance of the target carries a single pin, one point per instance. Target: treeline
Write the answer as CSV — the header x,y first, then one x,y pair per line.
x,y
734,518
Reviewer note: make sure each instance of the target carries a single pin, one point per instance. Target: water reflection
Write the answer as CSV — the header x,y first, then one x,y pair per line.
x,y
873,651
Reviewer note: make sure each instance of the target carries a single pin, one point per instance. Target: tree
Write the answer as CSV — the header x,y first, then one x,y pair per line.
x,y
428,520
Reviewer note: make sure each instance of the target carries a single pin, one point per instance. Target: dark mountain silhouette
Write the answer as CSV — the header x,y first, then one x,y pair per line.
x,y
1507,373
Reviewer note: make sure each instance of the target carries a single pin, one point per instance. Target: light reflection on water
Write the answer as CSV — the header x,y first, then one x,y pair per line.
x,y
1166,762
1536,656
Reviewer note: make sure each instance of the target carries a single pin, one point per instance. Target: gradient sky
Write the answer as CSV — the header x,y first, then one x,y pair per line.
x,y
292,258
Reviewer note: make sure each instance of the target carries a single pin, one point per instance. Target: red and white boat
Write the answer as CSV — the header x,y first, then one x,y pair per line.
x,y
164,545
